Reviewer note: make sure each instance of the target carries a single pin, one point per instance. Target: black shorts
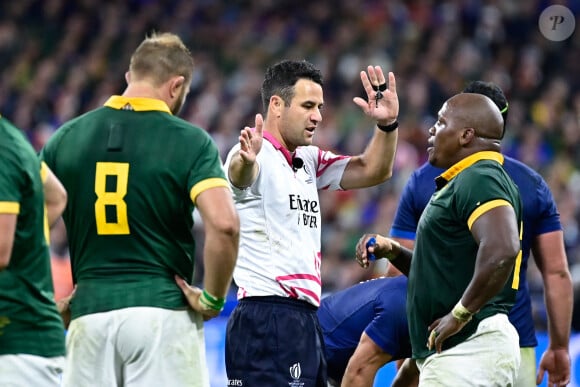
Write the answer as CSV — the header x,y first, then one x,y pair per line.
x,y
275,341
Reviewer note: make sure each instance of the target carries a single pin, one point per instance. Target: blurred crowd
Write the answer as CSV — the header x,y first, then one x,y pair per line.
x,y
61,58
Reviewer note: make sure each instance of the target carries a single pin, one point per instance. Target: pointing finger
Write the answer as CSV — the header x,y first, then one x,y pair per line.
x,y
259,120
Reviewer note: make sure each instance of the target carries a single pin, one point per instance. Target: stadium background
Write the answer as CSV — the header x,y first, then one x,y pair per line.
x,y
61,58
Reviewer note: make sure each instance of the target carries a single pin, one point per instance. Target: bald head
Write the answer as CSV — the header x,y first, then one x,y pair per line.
x,y
478,112
467,123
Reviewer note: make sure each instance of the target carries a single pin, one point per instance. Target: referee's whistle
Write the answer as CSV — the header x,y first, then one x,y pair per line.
x,y
371,242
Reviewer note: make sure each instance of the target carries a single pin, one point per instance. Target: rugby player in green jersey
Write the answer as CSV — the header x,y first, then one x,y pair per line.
x,y
463,275
134,173
32,345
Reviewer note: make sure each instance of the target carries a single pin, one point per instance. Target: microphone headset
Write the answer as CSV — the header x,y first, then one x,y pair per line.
x,y
297,163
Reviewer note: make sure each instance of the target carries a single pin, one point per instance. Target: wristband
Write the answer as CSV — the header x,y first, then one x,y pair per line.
x,y
461,313
388,128
391,255
211,302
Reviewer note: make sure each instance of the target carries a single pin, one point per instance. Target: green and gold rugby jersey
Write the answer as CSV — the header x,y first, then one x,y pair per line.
x,y
29,321
133,172
445,251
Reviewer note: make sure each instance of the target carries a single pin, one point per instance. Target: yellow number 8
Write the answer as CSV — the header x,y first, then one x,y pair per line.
x,y
111,198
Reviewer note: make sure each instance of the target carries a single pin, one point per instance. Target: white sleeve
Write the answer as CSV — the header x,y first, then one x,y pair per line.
x,y
329,167
239,192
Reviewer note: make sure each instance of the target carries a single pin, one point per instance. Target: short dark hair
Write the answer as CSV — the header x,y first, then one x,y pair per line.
x,y
281,77
493,92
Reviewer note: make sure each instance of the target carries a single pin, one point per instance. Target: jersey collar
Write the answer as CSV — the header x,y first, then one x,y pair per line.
x,y
279,147
465,163
138,104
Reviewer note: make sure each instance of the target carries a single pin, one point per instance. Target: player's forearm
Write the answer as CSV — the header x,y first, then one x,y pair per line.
x,y
222,231
241,173
491,273
380,155
220,254
363,376
7,235
374,165
550,256
55,196
54,211
558,296
4,259
407,376
5,252
402,259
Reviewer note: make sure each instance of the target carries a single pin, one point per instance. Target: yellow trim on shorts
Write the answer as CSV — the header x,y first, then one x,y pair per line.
x,y
207,184
9,208
484,208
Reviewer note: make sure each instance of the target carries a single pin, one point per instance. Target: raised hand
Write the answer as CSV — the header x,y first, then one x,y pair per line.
x,y
251,141
382,102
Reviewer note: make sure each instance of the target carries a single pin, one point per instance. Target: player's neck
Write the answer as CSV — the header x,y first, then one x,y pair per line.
x,y
142,90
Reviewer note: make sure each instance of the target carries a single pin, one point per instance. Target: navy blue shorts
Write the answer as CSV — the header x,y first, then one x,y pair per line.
x,y
275,341
336,362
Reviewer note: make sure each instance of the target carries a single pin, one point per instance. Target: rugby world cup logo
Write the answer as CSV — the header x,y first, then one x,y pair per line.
x,y
295,371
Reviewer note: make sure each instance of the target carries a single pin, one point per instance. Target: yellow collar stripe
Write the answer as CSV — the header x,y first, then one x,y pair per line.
x,y
138,104
469,161
484,208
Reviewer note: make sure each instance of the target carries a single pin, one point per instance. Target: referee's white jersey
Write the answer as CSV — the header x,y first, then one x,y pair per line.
x,y
280,221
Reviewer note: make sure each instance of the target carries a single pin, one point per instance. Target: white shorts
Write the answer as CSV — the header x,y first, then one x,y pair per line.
x,y
488,358
139,346
30,370
527,372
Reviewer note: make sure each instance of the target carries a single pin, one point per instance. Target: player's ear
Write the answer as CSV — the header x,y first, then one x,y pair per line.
x,y
175,85
467,135
276,105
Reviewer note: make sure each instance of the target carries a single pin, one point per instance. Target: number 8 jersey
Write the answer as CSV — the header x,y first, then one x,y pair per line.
x,y
132,171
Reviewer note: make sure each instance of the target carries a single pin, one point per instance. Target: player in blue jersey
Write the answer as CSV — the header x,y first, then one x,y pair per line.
x,y
364,327
542,234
